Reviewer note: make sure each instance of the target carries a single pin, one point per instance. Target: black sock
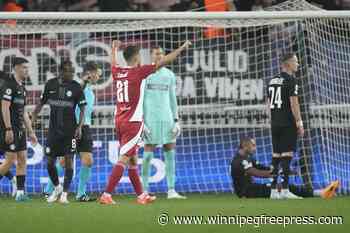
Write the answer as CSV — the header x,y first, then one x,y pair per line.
x,y
285,162
275,165
51,169
68,175
9,175
20,182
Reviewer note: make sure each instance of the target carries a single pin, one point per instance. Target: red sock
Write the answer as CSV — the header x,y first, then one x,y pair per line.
x,y
114,178
135,180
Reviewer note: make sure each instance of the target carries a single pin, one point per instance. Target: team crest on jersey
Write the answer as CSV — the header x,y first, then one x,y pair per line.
x,y
47,150
8,91
69,93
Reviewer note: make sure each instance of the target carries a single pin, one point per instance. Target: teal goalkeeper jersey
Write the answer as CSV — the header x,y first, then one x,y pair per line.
x,y
160,97
90,100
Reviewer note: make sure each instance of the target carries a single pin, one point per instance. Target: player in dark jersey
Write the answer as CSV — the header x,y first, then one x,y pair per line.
x,y
244,168
13,122
286,122
63,94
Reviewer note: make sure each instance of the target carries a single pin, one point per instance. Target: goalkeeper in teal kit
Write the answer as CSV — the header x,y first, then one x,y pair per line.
x,y
161,122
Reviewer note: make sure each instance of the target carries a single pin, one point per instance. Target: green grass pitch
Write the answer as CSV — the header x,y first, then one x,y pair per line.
x,y
127,217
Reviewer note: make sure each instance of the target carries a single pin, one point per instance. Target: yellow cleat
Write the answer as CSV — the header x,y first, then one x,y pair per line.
x,y
329,191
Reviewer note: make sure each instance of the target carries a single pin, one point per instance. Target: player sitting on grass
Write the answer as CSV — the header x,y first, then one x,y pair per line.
x,y
244,168
129,83
161,122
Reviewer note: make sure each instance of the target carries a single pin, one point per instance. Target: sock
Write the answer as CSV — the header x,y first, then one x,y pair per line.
x,y
51,169
84,176
20,182
135,179
170,168
275,164
114,178
317,192
50,186
145,171
285,162
68,175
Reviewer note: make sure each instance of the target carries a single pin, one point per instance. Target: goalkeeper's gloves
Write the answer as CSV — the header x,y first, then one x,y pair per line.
x,y
176,131
146,132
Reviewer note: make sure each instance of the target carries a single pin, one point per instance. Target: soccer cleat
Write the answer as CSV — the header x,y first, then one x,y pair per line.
x,y
85,198
14,186
275,194
106,199
175,195
145,199
329,191
22,198
54,195
64,198
286,194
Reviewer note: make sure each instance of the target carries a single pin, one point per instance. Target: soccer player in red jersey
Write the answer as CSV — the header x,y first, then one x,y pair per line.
x,y
129,83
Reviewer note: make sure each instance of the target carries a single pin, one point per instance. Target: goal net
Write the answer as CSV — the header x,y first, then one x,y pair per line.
x,y
221,84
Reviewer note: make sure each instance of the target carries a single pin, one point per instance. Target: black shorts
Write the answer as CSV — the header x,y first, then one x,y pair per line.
x,y
85,143
58,145
284,139
19,144
258,191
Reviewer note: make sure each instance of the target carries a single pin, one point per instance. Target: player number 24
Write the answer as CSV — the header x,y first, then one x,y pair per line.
x,y
275,97
122,91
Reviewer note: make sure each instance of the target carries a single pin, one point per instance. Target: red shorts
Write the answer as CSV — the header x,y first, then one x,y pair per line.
x,y
129,135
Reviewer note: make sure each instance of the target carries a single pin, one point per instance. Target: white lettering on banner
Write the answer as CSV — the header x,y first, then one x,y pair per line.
x,y
209,60
211,85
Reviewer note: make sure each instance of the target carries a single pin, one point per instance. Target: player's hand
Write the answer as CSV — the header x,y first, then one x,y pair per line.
x,y
33,138
187,44
301,131
116,44
176,131
9,137
146,132
78,133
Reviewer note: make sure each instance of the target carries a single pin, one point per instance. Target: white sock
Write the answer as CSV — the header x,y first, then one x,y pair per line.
x,y
20,192
317,192
107,194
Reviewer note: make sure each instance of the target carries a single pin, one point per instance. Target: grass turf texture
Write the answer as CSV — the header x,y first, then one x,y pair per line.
x,y
39,217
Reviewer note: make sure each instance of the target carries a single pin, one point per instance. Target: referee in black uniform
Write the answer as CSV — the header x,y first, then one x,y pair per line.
x,y
286,122
62,94
14,121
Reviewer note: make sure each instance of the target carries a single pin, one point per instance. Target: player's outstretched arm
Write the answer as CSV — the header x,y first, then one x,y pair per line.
x,y
173,55
115,47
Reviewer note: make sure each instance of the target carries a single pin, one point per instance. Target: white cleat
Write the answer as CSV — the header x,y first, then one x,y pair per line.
x,y
175,195
14,186
54,195
286,194
275,194
63,198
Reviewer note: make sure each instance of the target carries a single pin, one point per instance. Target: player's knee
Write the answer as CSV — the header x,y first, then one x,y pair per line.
x,y
133,161
169,147
149,148
10,159
87,160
